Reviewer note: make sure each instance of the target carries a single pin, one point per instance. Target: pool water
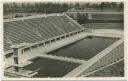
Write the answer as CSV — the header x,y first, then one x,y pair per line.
x,y
84,49
50,67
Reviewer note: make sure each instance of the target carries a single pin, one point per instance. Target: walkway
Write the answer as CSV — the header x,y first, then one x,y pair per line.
x,y
94,12
115,33
60,58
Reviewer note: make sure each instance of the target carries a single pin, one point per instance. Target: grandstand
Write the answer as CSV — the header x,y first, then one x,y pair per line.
x,y
36,29
33,37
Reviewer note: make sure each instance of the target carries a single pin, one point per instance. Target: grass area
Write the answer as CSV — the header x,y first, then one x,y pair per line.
x,y
116,70
108,16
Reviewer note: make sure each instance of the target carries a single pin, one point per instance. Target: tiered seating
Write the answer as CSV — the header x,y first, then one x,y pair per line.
x,y
43,30
47,27
36,29
74,25
55,25
59,25
111,57
6,47
107,16
21,33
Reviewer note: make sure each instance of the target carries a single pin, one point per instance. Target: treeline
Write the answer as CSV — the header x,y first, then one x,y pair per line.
x,y
55,7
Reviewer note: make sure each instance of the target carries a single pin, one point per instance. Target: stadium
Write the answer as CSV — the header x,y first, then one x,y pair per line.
x,y
56,45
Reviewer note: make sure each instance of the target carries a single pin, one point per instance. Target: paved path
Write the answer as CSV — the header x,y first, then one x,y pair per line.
x,y
94,12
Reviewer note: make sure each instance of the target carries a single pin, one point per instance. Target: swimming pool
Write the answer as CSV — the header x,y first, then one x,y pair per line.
x,y
85,48
50,67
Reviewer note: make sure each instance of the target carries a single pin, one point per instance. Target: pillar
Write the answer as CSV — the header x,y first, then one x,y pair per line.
x,y
16,59
17,51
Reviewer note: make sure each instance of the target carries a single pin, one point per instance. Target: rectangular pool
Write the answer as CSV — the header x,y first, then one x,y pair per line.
x,y
50,67
85,48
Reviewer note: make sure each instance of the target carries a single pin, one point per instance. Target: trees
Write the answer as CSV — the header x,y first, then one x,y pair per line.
x,y
102,6
77,5
121,6
57,7
114,5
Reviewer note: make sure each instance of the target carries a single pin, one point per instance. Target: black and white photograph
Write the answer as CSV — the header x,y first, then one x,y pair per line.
x,y
63,39
64,80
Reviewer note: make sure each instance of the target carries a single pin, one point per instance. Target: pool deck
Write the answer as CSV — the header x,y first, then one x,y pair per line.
x,y
115,33
66,59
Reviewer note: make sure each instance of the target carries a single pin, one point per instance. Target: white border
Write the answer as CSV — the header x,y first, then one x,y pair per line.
x,y
63,0
86,78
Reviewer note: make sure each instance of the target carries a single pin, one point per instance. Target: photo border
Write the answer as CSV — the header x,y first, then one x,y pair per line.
x,y
73,78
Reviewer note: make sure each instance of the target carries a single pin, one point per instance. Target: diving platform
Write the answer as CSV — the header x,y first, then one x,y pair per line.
x,y
20,71
23,64
24,73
